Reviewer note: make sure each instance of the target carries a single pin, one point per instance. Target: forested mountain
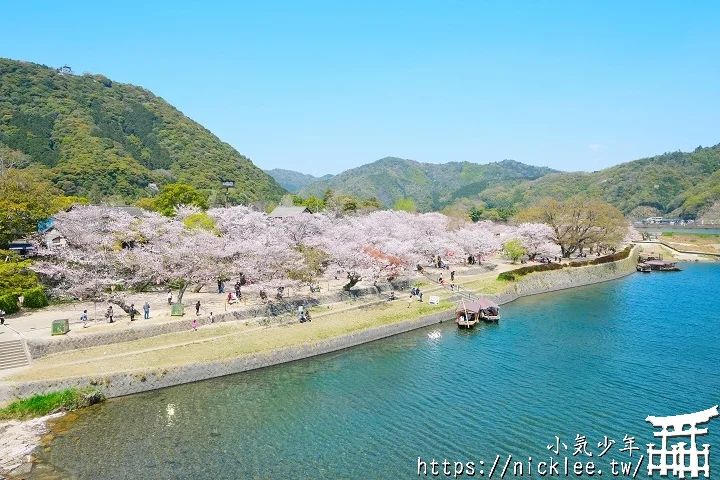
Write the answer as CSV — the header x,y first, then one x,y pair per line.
x,y
431,186
676,183
103,140
293,181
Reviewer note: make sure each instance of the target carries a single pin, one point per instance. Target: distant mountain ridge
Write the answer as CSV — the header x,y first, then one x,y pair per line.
x,y
293,181
678,184
430,185
100,139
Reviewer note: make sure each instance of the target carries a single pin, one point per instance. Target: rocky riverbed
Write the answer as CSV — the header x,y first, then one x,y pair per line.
x,y
17,441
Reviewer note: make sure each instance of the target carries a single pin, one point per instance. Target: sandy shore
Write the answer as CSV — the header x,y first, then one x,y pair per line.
x,y
17,441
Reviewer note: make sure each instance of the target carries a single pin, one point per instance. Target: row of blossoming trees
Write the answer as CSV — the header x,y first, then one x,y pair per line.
x,y
108,249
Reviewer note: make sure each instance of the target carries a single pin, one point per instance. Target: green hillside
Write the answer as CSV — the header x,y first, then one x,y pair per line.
x,y
293,181
677,184
105,140
431,186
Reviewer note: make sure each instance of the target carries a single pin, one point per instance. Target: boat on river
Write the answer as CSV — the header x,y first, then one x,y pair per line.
x,y
662,266
643,268
468,314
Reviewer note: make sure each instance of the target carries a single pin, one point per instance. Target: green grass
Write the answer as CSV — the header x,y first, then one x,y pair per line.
x,y
667,234
41,405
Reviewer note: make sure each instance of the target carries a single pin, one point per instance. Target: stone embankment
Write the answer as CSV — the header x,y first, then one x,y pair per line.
x,y
125,383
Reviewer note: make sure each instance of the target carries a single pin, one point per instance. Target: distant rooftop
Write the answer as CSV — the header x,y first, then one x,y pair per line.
x,y
283,212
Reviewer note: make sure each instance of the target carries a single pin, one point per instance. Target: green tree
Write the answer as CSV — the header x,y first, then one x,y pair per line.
x,y
24,201
578,222
406,205
175,195
314,203
476,214
514,249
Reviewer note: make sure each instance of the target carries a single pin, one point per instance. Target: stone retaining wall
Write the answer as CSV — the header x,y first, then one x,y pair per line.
x,y
569,277
126,383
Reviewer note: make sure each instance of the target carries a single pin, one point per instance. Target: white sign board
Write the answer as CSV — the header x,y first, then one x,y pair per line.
x,y
434,300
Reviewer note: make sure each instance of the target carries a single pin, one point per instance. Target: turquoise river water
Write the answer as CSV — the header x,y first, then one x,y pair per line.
x,y
592,361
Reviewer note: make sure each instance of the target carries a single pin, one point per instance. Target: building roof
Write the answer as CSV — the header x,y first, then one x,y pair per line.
x,y
659,262
283,212
476,305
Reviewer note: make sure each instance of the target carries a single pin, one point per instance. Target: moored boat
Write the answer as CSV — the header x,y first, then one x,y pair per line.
x,y
662,266
469,313
643,267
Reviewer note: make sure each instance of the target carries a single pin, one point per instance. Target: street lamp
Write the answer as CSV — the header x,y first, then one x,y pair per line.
x,y
227,184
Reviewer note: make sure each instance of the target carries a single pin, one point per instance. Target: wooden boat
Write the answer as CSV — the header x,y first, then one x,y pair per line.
x,y
662,266
468,314
643,267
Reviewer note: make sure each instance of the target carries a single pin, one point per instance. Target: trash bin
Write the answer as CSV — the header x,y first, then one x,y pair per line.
x,y
60,327
177,310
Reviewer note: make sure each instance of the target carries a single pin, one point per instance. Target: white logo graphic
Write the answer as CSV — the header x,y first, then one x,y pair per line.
x,y
681,460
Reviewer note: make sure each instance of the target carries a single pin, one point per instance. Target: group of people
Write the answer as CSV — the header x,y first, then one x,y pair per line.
x,y
416,292
110,314
304,314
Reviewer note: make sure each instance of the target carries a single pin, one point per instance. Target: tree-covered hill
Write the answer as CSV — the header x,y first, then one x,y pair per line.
x,y
676,183
430,186
100,139
293,181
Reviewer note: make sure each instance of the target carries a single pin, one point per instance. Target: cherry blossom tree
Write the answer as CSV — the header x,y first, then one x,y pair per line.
x,y
537,238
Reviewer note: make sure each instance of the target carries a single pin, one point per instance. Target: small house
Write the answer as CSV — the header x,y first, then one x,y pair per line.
x,y
286,212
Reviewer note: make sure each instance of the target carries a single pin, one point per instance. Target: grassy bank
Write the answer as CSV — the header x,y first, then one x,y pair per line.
x,y
41,405
225,342
695,242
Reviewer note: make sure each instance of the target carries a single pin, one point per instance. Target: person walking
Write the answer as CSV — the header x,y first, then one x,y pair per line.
x,y
420,294
146,310
169,297
220,286
452,275
132,312
194,325
109,314
212,318
197,308
83,318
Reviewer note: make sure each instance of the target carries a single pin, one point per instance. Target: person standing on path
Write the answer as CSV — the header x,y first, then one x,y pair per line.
x,y
83,318
169,297
452,276
194,325
109,314
197,308
146,309
212,318
132,312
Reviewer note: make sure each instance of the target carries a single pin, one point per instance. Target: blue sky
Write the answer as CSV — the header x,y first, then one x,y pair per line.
x,y
325,86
